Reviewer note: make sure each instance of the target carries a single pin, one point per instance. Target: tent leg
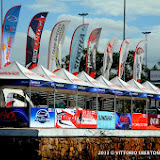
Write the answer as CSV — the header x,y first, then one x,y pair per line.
x,y
114,103
115,110
131,106
76,100
85,100
29,103
25,100
147,101
54,98
48,99
67,101
97,102
2,99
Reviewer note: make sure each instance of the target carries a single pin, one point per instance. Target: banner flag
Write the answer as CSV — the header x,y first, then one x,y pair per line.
x,y
33,39
139,121
42,117
138,59
8,33
107,59
123,56
86,119
153,122
106,120
76,48
91,51
56,41
65,118
123,121
14,117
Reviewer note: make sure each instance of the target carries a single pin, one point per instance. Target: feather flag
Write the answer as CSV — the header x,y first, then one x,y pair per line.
x,y
33,39
138,59
8,33
123,56
91,52
56,41
107,59
76,48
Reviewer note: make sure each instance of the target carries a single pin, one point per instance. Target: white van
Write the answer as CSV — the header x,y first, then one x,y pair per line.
x,y
16,98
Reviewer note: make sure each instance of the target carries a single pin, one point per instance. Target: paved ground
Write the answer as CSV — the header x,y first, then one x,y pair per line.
x,y
59,132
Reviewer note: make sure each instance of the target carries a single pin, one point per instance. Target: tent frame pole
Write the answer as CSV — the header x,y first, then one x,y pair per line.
x,y
115,99
131,107
30,90
48,99
114,104
54,98
97,102
77,99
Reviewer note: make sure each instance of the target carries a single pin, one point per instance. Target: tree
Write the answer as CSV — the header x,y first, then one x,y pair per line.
x,y
114,69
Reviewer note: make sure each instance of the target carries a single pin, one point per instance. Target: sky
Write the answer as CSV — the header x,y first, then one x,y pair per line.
x,y
141,16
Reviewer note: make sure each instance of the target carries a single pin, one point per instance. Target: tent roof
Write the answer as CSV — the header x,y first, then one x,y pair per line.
x,y
151,87
63,73
17,71
107,83
135,84
83,75
43,72
124,86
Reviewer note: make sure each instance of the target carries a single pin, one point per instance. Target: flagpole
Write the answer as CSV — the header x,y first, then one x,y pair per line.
x,y
1,13
124,28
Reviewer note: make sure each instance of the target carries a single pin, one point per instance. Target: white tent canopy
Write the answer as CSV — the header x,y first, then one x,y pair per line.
x,y
84,76
135,84
17,71
21,77
151,87
107,83
63,73
124,86
43,72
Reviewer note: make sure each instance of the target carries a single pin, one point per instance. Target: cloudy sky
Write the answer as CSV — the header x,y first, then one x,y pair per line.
x,y
141,16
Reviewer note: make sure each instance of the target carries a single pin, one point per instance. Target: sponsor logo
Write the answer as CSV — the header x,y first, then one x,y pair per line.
x,y
10,73
42,75
10,39
37,38
8,116
124,119
109,48
105,118
12,18
9,28
30,73
80,87
42,116
154,121
140,51
3,46
35,82
59,85
139,124
75,79
53,76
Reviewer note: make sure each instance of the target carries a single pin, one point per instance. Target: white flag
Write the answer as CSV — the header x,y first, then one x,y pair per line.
x,y
123,56
107,59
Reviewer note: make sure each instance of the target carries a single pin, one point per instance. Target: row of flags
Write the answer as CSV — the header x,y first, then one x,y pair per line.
x,y
56,41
